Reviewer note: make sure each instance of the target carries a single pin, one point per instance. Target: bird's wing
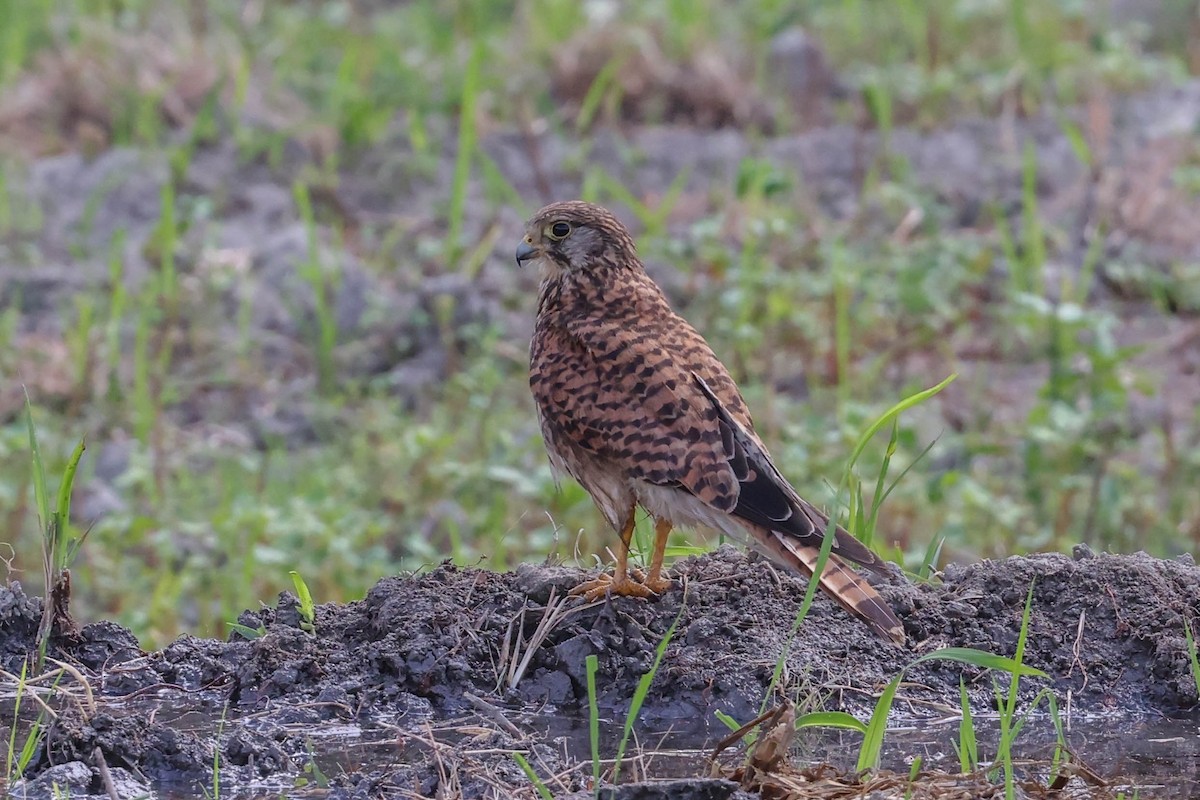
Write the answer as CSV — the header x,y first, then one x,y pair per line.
x,y
766,499
792,530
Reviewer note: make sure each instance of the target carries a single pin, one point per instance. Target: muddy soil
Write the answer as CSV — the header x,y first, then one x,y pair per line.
x,y
450,671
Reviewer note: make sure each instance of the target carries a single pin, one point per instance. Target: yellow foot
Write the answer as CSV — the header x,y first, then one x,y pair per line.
x,y
658,584
605,585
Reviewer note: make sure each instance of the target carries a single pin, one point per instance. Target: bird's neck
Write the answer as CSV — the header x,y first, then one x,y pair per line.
x,y
613,293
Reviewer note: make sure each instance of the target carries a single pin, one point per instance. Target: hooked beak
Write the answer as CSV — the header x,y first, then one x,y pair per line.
x,y
525,251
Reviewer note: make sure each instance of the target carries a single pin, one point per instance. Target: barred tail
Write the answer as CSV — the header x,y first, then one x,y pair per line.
x,y
849,589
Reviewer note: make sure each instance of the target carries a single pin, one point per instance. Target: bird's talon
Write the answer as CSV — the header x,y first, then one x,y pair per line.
x,y
605,585
658,585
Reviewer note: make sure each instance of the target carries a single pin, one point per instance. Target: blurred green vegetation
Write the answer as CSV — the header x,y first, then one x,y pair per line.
x,y
212,524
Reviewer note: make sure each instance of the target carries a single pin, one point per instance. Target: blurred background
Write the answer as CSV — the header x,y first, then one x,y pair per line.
x,y
259,255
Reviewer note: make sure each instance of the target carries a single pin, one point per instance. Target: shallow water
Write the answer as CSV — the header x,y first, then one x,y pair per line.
x,y
1154,756
1127,752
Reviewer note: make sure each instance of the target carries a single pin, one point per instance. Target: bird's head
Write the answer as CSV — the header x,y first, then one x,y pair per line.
x,y
573,237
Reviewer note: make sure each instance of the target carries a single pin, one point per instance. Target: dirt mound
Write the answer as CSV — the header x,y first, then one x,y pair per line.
x,y
424,649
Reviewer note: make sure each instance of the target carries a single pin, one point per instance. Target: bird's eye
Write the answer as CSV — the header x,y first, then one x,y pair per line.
x,y
560,230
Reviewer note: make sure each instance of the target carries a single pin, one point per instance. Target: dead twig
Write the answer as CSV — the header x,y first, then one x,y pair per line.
x,y
516,651
105,775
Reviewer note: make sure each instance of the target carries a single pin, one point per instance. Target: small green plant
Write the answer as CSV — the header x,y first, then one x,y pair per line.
x,y
314,776
1193,659
307,608
58,548
1010,725
213,792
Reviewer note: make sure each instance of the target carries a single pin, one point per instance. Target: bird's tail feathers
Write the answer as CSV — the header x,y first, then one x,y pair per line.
x,y
849,589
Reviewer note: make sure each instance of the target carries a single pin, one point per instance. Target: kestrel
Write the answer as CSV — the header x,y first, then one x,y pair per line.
x,y
634,405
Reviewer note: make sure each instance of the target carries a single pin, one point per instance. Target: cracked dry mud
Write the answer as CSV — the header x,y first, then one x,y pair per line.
x,y
419,671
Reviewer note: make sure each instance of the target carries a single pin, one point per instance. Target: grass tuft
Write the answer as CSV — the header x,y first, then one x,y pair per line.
x,y
872,745
307,608
58,548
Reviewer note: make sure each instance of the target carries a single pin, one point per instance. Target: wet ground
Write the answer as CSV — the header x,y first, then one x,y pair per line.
x,y
431,682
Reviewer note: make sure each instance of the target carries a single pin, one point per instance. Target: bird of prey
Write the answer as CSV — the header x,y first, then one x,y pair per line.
x,y
635,406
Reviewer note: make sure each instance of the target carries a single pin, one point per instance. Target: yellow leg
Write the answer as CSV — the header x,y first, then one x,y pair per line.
x,y
655,582
619,583
621,570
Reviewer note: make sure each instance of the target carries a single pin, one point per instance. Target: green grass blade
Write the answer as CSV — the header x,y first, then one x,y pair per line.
x,y
830,719
887,416
12,731
41,498
466,152
308,609
1075,138
592,664
62,512
643,688
726,720
1009,731
597,91
1192,655
841,327
881,491
872,745
33,743
878,501
981,658
968,747
933,554
810,594
1060,736
542,790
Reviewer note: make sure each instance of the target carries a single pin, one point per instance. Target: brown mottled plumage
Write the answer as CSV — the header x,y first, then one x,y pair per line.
x,y
636,407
